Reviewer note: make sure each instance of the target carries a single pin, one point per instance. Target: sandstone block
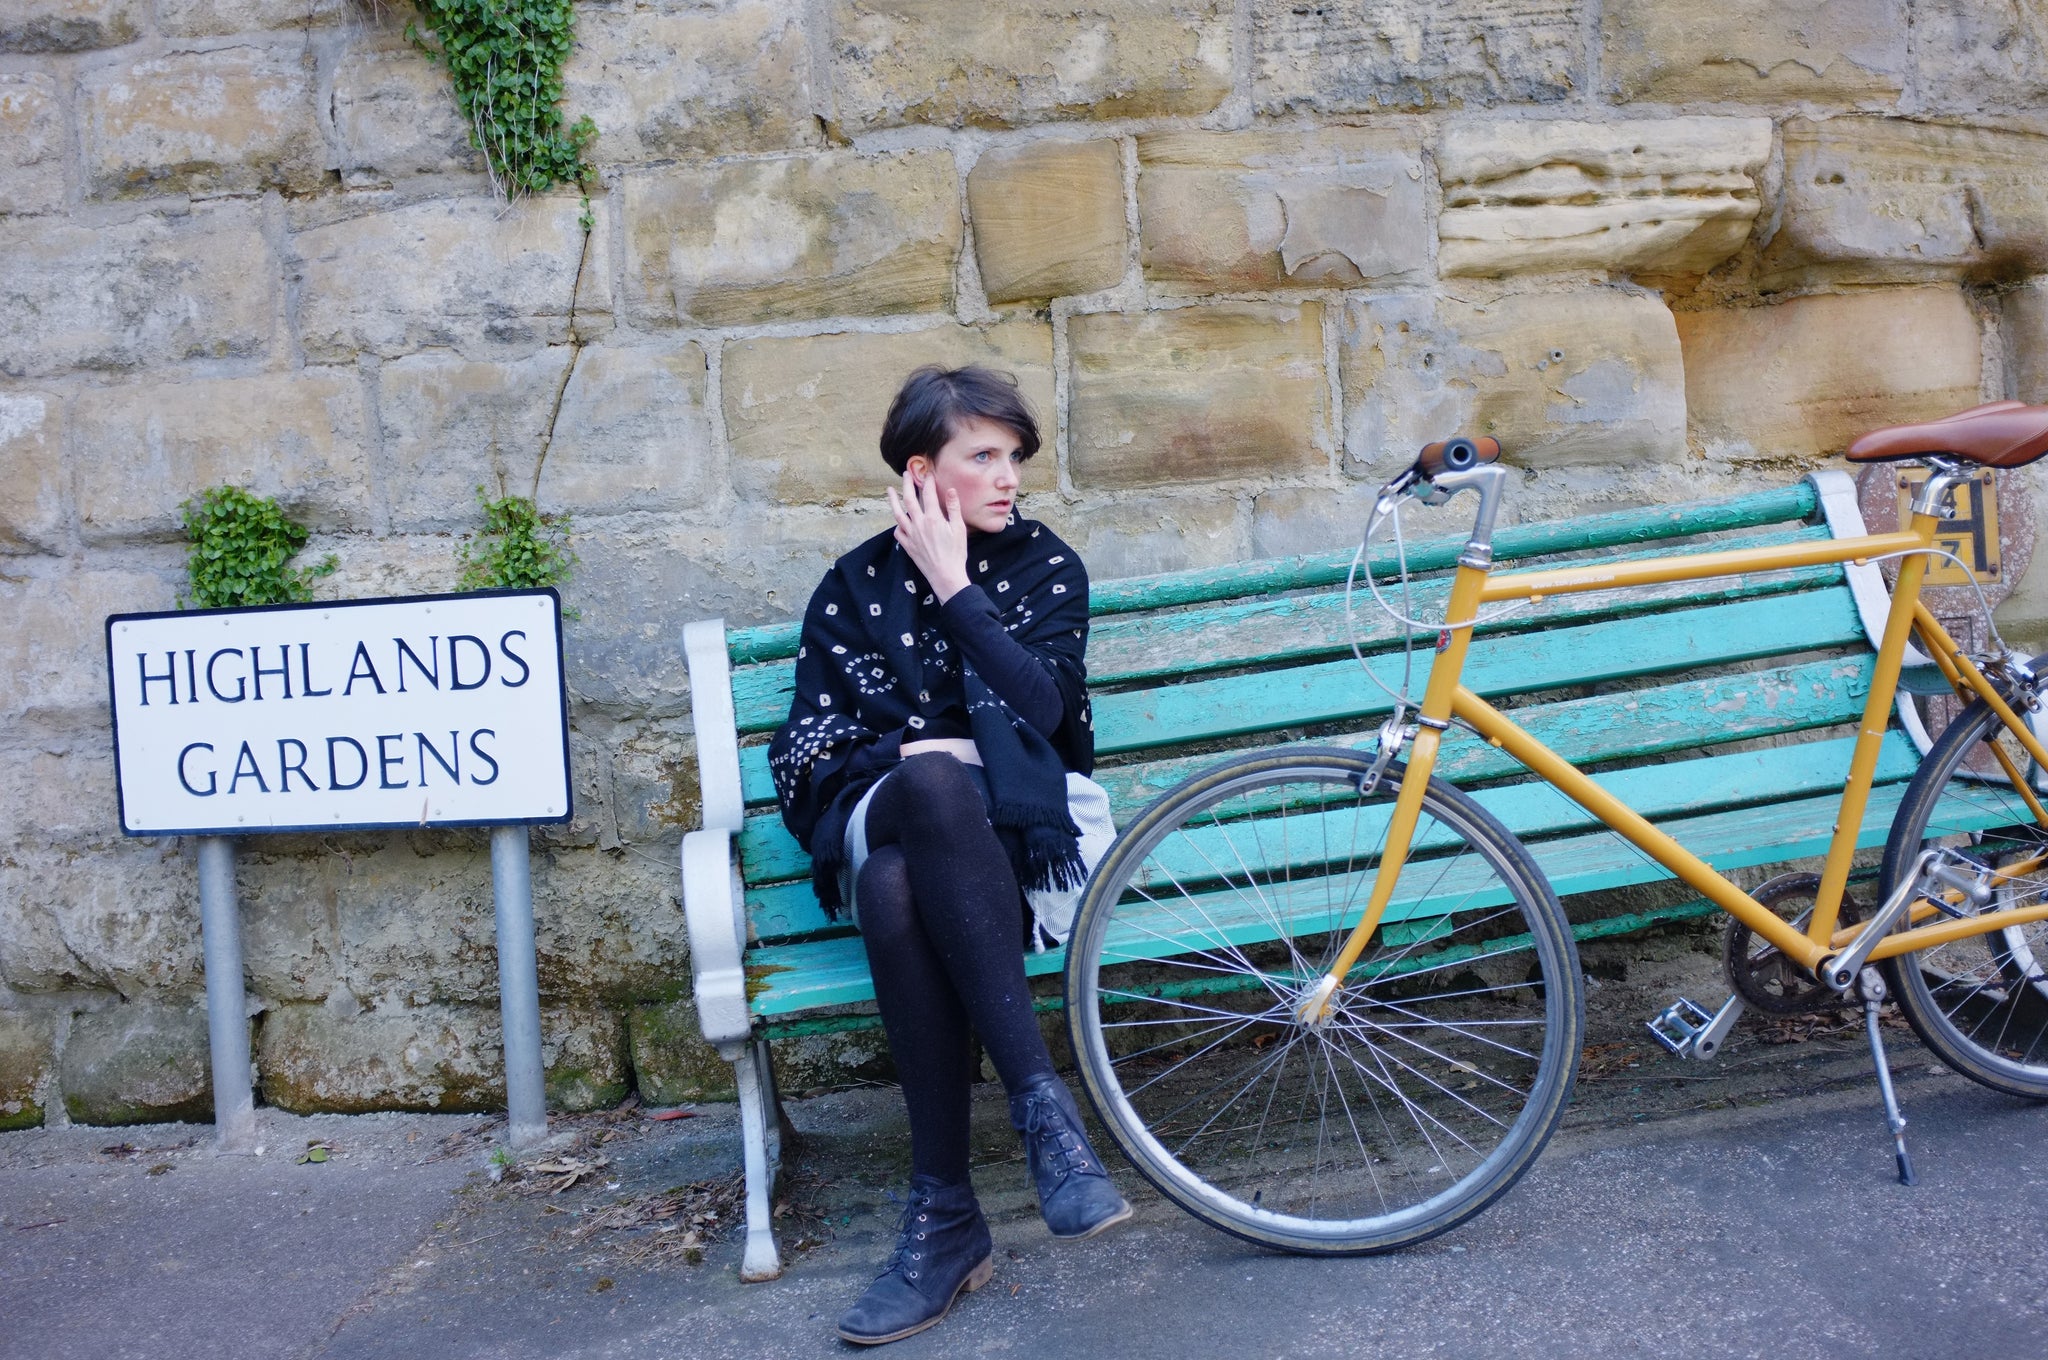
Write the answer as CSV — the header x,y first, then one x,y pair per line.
x,y
1776,50
749,562
898,62
444,1058
687,79
407,921
291,902
139,1063
146,450
31,144
53,653
1970,55
1197,394
814,1063
395,115
1365,56
832,234
467,274
1593,376
2026,341
1804,378
452,425
634,433
33,480
1241,210
58,787
105,912
218,18
154,290
225,122
1048,219
70,25
1881,200
1664,196
1166,530
27,1056
802,414
671,1062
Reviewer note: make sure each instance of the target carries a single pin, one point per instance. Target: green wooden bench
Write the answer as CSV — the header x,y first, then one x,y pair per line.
x,y
1721,709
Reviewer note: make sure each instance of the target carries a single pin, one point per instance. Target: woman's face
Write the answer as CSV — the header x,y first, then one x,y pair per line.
x,y
981,462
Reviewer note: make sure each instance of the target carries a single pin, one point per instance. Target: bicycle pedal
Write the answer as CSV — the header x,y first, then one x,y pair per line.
x,y
1688,1030
1678,1024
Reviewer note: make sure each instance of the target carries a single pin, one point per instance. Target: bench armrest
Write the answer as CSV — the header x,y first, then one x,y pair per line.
x,y
711,713
715,917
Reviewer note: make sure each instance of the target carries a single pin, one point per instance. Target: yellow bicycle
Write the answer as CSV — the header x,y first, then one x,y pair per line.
x,y
1279,1064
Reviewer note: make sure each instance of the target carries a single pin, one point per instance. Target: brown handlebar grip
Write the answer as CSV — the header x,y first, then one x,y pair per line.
x,y
1457,454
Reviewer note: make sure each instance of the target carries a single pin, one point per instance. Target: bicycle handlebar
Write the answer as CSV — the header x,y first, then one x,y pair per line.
x,y
1458,454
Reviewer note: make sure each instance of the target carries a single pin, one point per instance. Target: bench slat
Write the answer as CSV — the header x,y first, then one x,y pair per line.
x,y
1269,631
1646,721
797,977
778,641
1534,811
1334,691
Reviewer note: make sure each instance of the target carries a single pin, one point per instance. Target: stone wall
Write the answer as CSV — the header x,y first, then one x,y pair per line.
x,y
1244,255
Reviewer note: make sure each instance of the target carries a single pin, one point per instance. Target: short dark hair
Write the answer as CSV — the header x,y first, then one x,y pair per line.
x,y
935,402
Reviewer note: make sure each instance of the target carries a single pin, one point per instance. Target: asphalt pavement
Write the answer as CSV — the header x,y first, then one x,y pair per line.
x,y
1743,1208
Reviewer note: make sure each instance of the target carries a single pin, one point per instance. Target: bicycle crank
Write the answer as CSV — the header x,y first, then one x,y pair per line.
x,y
1760,973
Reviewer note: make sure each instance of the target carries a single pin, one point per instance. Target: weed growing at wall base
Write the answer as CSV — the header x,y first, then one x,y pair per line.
x,y
505,59
242,547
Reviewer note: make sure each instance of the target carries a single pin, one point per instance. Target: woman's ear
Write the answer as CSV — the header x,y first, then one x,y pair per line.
x,y
920,467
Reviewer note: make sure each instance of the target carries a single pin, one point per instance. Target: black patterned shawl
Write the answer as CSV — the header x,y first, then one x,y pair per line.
x,y
874,666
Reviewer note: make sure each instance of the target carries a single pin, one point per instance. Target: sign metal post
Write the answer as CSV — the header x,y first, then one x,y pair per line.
x,y
227,1010
526,1113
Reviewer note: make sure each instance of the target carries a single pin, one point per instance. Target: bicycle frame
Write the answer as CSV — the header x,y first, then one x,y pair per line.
x,y
1447,700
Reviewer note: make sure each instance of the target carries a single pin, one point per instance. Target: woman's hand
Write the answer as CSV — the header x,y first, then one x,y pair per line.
x,y
934,534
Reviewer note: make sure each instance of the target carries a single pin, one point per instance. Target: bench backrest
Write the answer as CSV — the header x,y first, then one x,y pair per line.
x,y
1747,689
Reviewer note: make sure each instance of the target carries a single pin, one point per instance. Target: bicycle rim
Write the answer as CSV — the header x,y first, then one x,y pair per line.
x,y
1980,1003
1449,1053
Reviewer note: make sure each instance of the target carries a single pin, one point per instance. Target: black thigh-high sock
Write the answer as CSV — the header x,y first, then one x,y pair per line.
x,y
967,900
926,1025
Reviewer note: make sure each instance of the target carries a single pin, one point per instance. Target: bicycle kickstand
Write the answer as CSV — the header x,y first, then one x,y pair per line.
x,y
1872,989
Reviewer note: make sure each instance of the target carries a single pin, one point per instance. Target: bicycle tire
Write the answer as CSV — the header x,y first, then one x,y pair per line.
x,y
1432,1045
1980,1003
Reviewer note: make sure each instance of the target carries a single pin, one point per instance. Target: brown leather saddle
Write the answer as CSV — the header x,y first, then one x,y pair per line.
x,y
2002,434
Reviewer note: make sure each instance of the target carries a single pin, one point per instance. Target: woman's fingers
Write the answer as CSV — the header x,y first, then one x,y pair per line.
x,y
928,499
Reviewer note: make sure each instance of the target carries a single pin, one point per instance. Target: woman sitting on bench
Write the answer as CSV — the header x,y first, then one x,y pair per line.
x,y
941,700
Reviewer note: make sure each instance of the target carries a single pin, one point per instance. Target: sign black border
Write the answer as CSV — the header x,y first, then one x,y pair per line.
x,y
561,687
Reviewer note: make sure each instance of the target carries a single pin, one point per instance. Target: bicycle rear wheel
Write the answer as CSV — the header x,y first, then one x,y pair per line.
x,y
1980,1003
1449,1052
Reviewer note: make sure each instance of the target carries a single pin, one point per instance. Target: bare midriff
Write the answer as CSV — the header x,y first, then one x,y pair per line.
x,y
961,749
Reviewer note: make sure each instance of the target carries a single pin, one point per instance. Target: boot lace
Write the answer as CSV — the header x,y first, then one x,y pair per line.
x,y
908,1257
1054,1137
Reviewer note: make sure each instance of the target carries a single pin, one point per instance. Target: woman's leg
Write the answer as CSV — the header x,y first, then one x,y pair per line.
x,y
926,1025
930,809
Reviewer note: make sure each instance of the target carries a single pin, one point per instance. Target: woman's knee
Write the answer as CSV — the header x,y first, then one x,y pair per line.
x,y
933,789
882,891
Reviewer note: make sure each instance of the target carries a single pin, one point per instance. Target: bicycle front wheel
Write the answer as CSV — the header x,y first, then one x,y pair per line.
x,y
1980,1003
1444,1062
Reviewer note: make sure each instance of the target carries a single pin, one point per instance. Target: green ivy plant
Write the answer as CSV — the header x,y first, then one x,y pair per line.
x,y
242,547
505,59
519,549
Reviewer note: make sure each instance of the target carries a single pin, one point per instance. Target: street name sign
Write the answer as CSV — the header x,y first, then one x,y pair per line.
x,y
440,710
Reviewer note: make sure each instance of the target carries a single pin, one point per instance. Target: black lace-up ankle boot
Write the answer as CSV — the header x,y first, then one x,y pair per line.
x,y
1074,1191
942,1248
